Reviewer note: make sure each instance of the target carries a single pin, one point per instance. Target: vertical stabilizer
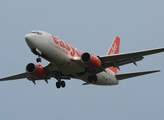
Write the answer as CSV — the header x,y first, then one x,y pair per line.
x,y
114,49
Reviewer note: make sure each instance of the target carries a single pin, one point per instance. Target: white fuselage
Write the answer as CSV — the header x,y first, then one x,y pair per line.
x,y
61,55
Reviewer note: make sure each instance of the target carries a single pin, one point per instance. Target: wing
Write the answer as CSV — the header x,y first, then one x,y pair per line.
x,y
50,71
117,60
14,77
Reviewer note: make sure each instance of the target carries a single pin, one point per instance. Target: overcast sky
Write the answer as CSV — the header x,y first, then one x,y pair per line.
x,y
88,25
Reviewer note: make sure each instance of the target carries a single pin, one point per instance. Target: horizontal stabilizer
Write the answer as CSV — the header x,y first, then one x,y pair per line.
x,y
86,83
130,75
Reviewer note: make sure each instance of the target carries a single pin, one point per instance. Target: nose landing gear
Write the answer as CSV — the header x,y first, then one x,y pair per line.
x,y
38,59
37,52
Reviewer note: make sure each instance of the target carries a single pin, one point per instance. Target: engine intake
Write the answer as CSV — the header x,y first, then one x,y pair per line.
x,y
35,70
90,60
30,68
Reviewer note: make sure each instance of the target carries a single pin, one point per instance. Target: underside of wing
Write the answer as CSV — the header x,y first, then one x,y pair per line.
x,y
52,71
48,71
130,75
14,77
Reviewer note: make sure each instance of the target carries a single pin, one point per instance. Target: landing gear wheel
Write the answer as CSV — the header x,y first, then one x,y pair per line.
x,y
62,84
58,85
90,79
38,59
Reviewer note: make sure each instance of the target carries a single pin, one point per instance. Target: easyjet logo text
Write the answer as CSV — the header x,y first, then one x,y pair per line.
x,y
65,47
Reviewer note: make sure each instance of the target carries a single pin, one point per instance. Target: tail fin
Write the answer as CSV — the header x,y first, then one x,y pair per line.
x,y
114,49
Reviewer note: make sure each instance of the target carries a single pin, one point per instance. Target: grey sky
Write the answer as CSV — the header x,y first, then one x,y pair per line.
x,y
89,26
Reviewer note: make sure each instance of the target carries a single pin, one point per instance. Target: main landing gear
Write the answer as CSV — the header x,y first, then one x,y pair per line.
x,y
60,84
92,78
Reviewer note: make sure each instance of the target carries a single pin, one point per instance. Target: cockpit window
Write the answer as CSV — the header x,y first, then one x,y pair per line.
x,y
37,32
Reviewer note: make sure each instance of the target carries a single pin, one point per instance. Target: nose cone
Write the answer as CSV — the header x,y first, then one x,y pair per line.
x,y
30,39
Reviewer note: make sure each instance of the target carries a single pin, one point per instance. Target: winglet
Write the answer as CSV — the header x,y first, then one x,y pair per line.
x,y
114,49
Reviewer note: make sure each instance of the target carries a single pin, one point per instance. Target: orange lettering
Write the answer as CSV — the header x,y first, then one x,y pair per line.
x,y
62,44
67,47
78,53
73,51
55,39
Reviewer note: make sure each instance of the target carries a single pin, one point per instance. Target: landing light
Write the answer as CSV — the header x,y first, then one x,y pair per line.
x,y
75,58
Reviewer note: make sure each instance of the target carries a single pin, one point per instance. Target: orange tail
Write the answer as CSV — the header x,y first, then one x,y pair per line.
x,y
114,49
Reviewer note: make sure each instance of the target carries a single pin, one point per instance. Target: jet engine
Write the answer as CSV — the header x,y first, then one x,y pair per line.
x,y
90,60
35,70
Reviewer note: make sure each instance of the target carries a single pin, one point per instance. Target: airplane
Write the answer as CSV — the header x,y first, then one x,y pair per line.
x,y
66,62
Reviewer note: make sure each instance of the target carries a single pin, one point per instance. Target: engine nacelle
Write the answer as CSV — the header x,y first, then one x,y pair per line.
x,y
35,70
91,60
